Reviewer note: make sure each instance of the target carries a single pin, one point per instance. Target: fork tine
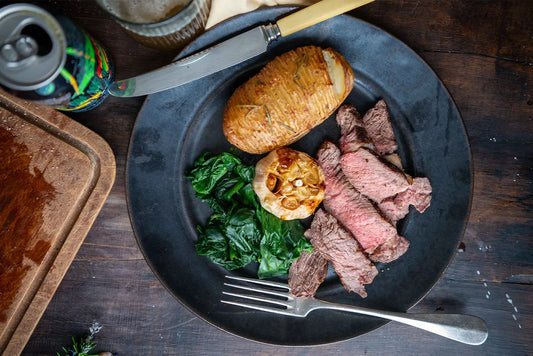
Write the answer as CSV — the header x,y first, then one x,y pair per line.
x,y
262,308
260,299
260,281
261,290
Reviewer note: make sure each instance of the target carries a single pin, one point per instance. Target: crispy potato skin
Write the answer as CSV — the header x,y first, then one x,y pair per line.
x,y
291,95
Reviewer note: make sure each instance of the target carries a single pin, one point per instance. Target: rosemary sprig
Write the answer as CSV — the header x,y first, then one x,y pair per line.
x,y
298,84
82,346
285,126
296,78
302,60
250,100
248,106
269,118
252,106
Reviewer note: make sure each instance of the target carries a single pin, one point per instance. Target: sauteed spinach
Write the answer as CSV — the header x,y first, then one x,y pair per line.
x,y
240,231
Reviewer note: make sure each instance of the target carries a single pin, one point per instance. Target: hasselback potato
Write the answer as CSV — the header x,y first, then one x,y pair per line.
x,y
292,94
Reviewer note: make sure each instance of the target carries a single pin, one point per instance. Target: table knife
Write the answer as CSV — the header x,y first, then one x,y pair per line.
x,y
230,52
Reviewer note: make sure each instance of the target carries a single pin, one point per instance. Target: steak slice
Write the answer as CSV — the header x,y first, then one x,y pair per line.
x,y
306,273
372,176
417,194
339,247
390,250
353,210
353,131
379,128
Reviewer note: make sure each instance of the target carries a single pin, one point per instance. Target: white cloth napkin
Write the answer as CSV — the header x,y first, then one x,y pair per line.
x,y
224,9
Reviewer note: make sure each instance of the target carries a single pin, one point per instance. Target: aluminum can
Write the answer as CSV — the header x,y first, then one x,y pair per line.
x,y
50,60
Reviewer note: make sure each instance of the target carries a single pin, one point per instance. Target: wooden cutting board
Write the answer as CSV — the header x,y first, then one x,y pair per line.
x,y
55,175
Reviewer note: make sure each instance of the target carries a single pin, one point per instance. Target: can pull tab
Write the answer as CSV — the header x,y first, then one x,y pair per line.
x,y
18,50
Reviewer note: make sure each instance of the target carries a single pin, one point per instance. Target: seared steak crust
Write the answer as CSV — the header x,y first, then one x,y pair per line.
x,y
379,128
306,274
339,247
390,250
353,131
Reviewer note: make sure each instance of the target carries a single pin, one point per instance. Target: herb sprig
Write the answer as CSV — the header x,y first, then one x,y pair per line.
x,y
303,61
82,346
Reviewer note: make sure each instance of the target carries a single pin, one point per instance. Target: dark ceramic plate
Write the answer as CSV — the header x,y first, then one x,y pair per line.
x,y
176,126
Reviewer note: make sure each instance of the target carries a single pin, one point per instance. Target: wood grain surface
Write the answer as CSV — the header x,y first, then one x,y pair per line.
x,y
482,51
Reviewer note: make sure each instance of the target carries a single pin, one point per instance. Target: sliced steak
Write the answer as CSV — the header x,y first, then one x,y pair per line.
x,y
353,132
306,273
393,212
389,251
339,247
417,194
353,210
379,128
372,176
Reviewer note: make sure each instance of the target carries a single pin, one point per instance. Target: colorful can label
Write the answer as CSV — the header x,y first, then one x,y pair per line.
x,y
87,72
51,60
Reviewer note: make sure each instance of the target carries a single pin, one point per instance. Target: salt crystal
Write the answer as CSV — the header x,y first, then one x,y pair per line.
x,y
507,296
485,284
510,301
478,273
488,292
520,326
516,310
514,317
487,296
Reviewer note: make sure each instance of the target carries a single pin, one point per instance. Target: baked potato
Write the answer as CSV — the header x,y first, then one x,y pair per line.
x,y
292,94
289,183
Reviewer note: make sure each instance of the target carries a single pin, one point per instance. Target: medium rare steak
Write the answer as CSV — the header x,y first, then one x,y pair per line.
x,y
339,247
306,273
353,132
379,128
417,194
371,175
353,210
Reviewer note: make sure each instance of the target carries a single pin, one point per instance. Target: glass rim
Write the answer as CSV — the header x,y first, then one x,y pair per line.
x,y
152,25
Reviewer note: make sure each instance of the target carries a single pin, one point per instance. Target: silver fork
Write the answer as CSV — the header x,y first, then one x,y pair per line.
x,y
467,329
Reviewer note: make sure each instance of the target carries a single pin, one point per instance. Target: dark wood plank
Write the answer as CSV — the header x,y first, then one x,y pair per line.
x,y
482,51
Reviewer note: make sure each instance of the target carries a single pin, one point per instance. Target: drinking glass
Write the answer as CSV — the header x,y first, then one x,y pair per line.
x,y
163,24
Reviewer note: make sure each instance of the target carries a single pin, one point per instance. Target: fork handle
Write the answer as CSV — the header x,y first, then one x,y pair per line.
x,y
467,329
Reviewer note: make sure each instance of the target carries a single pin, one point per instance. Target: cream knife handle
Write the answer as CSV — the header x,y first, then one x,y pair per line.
x,y
316,13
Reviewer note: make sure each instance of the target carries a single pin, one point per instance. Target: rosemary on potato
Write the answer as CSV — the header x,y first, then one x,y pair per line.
x,y
302,61
285,126
245,106
269,118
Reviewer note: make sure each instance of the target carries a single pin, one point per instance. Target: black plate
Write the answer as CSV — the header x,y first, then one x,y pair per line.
x,y
176,126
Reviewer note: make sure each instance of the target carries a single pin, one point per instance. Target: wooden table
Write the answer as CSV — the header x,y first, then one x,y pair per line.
x,y
482,50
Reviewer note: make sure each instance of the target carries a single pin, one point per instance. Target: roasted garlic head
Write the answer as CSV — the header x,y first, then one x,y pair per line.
x,y
289,183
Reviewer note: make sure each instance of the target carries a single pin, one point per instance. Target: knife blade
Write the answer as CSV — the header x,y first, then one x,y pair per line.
x,y
231,52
